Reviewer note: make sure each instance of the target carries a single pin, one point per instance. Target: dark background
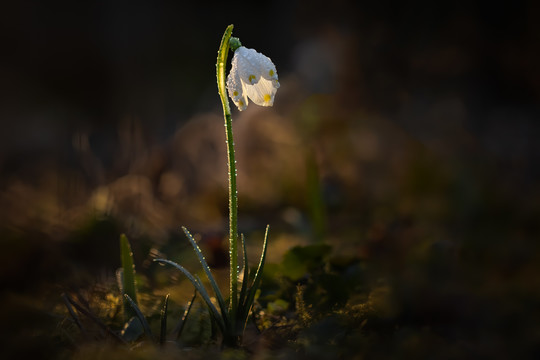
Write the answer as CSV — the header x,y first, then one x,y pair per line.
x,y
67,67
398,125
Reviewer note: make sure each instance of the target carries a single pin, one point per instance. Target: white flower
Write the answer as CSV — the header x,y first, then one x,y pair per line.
x,y
252,75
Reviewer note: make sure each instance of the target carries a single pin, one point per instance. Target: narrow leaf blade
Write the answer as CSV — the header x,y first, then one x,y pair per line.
x,y
180,327
163,330
208,273
200,288
128,276
140,316
256,281
245,279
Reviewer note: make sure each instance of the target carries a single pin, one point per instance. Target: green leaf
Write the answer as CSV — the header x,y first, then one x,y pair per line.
x,y
200,288
132,330
245,279
301,259
127,276
278,306
256,282
209,275
182,323
140,316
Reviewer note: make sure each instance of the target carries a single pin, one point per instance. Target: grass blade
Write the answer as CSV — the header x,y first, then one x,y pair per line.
x,y
128,277
140,316
163,330
180,327
245,279
208,273
200,288
256,281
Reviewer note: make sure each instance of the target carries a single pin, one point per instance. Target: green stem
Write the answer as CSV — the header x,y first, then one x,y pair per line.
x,y
233,199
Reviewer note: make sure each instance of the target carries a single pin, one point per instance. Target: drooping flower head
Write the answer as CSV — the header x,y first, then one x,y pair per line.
x,y
252,75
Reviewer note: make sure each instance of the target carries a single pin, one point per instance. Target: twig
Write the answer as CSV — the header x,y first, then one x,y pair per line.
x,y
94,318
72,313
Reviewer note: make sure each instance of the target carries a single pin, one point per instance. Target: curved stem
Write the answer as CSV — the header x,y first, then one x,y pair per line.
x,y
233,199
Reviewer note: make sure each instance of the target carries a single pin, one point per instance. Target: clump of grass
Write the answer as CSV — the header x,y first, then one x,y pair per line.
x,y
135,324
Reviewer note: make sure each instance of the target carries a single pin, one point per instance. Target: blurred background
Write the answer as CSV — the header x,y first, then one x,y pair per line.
x,y
404,133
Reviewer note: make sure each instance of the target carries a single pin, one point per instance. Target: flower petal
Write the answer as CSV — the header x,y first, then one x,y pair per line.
x,y
236,88
248,65
262,93
267,68
252,75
